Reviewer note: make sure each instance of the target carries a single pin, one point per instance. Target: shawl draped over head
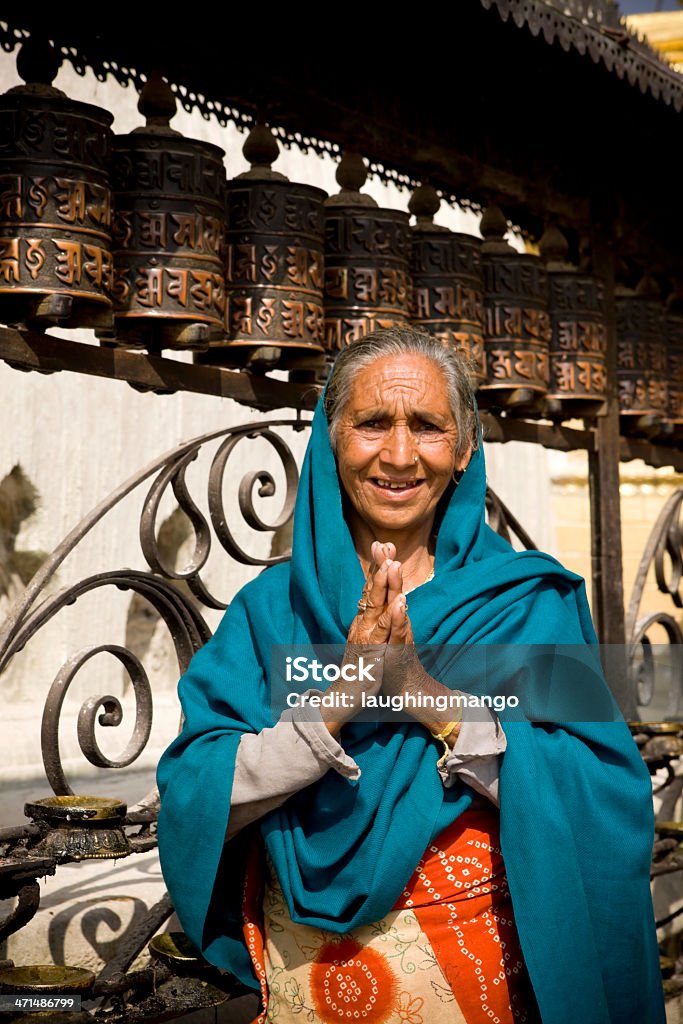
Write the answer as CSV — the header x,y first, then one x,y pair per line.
x,y
576,799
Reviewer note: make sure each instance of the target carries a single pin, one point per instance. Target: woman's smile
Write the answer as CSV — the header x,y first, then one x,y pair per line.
x,y
396,487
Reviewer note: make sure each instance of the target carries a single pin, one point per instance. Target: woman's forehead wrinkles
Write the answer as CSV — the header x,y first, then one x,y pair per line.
x,y
415,398
419,376
383,389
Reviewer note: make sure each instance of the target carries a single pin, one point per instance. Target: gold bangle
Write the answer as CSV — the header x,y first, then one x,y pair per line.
x,y
441,736
447,731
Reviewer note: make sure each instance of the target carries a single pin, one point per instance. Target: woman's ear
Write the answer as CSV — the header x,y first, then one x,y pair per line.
x,y
461,463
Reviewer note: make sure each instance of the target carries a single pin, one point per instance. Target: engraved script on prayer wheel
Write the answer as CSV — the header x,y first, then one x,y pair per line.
x,y
367,254
274,266
641,357
447,284
168,227
55,201
673,329
578,344
517,325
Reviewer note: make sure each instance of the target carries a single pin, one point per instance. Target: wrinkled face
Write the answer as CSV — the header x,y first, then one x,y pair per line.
x,y
396,443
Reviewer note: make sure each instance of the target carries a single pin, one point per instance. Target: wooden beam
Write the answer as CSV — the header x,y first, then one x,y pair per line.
x,y
549,435
603,470
655,455
29,350
43,353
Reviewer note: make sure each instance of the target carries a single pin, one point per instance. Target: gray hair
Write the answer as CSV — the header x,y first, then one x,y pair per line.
x,y
396,341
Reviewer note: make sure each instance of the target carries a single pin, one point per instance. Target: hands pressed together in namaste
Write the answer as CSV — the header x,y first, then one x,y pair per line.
x,y
383,608
382,633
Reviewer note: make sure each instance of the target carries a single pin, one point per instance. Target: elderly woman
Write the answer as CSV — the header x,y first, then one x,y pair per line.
x,y
444,867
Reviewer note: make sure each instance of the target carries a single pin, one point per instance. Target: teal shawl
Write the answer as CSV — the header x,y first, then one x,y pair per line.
x,y
576,805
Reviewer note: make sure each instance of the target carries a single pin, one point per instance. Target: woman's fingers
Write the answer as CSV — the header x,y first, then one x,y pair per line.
x,y
379,634
383,584
400,628
380,552
402,668
392,626
375,595
394,582
382,555
372,604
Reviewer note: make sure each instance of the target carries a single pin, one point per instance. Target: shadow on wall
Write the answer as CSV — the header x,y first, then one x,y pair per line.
x,y
145,637
19,499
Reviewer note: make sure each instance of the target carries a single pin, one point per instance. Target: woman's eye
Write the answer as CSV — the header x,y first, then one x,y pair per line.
x,y
371,424
426,427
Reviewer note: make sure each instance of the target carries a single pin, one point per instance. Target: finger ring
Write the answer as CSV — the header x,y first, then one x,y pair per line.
x,y
362,605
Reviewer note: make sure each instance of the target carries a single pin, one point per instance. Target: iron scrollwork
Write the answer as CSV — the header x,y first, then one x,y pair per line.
x,y
664,553
180,612
501,519
176,596
112,715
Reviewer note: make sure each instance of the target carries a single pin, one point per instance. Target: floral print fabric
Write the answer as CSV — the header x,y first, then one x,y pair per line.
x,y
447,953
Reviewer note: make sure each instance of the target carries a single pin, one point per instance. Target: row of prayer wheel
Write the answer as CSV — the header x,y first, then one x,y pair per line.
x,y
141,238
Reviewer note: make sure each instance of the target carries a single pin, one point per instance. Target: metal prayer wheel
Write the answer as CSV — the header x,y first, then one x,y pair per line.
x,y
517,324
673,331
641,357
447,299
274,266
55,201
80,827
168,229
578,343
367,261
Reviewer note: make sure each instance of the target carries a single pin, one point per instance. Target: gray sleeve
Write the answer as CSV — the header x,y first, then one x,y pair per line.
x,y
475,758
275,763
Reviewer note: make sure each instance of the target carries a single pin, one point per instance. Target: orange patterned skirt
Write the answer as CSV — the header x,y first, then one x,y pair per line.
x,y
448,953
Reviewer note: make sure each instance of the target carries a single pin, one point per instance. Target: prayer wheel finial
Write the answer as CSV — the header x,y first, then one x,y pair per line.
x,y
38,63
647,287
493,227
157,104
424,205
261,147
554,248
352,174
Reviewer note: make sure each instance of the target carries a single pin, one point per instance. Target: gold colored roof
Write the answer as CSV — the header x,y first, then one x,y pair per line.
x,y
664,31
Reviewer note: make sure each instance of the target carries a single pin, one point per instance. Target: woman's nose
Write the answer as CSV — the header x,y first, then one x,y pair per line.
x,y
399,448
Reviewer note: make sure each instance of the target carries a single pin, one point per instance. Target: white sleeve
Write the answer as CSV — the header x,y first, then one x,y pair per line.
x,y
275,763
475,758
